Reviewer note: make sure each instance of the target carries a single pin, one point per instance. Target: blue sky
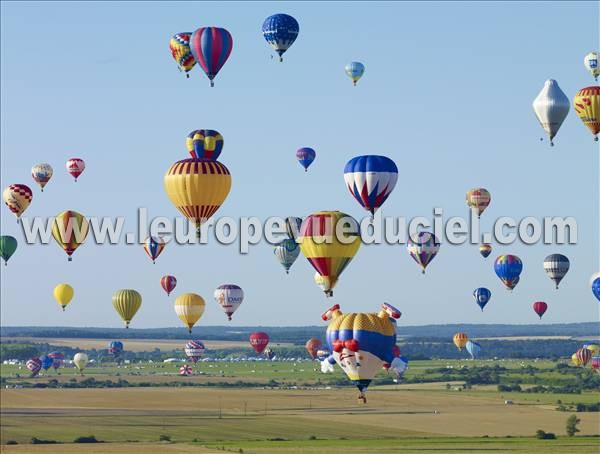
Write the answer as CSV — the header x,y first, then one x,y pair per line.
x,y
447,94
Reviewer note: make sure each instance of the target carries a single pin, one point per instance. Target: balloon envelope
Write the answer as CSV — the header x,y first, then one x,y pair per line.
x,y
17,198
189,307
70,230
154,245
8,246
305,157
229,297
179,45
508,268
371,179
587,107
591,64
286,253
473,348
211,47
556,267
75,167
423,247
478,199
115,348
540,308
80,360
194,350
63,294
34,365
460,340
551,107
595,285
313,345
485,250
126,302
355,71
41,174
168,283
259,341
280,31
482,296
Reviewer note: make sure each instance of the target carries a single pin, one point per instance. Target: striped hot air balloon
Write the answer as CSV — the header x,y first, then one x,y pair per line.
x,y
189,307
583,356
70,230
287,251
596,363
556,267
127,302
587,107
508,268
168,283
34,365
460,340
478,199
211,47
204,144
179,45
154,245
194,350
186,370
371,179
423,247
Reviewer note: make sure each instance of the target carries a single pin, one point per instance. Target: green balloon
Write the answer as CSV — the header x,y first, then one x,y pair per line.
x,y
8,246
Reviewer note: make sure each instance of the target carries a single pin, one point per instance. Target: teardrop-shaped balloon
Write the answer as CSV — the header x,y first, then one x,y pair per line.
x,y
80,360
355,71
423,247
63,294
587,106
179,45
280,31
211,47
17,198
595,285
312,346
259,341
194,350
204,144
556,267
229,297
70,230
41,174
115,348
189,307
478,200
590,62
482,296
305,157
8,246
287,252
75,167
34,365
127,302
460,340
168,283
540,308
154,245
508,268
485,250
371,179
551,107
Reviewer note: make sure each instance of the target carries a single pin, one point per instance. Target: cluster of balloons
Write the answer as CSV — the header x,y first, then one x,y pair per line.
x,y
586,354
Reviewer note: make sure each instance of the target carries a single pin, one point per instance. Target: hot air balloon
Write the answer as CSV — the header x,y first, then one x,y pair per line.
x,y
17,198
259,341
189,307
485,250
154,245
41,174
186,370
556,267
540,308
280,31
460,340
46,362
126,302
168,283
197,188
204,144
75,166
8,246
370,179
508,268
69,230
478,200
587,106
305,157
423,247
473,348
575,359
591,64
292,226
313,346
596,363
324,284
57,359
361,343
179,45
551,107
287,252
115,348
34,365
211,47
194,350
269,354
63,294
80,360
229,297
595,285
320,244
355,71
583,356
482,296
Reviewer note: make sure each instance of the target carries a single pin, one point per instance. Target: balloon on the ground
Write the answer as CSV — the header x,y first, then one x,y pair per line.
x,y
269,354
324,284
70,230
17,198
259,341
587,106
154,245
460,340
286,253
179,45
63,294
305,157
355,71
115,348
126,302
204,144
75,167
596,363
312,346
485,250
556,267
478,199
189,307
508,268
551,107
590,62
41,174
482,296
46,362
8,246
57,359
595,285
540,308
229,297
594,348
168,283
423,247
473,348
280,31
80,360
371,179
194,350
34,365
583,356
186,370
211,47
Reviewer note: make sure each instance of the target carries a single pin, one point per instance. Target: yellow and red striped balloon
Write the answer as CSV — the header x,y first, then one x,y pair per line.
x,y
587,106
70,230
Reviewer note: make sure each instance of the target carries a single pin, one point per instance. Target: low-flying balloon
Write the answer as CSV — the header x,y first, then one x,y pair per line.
x,y
423,247
168,283
508,268
126,302
312,346
305,157
460,340
34,365
482,296
75,167
594,348
204,144
154,245
8,246
590,62
46,362
551,107
229,297
259,341
371,179
596,363
179,46
269,354
595,285
41,174
287,251
540,308
17,198
70,230
556,267
186,370
575,359
115,348
354,70
57,359
63,294
280,31
194,350
189,307
324,284
80,360
211,47
473,348
485,250
583,356
587,106
478,200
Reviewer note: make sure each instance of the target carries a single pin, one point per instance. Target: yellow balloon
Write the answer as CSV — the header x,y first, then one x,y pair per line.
x,y
197,188
576,360
70,229
126,303
460,340
594,348
63,294
587,106
189,307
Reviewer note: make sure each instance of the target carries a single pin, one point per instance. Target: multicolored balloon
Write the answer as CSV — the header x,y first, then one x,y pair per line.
x,y
460,340
370,179
46,362
211,47
70,230
126,302
34,365
596,363
473,348
324,284
485,250
587,106
179,45
423,247
41,174
595,285
540,308
478,200
594,348
8,246
63,294
186,370
17,198
154,245
583,356
312,346
57,359
259,341
194,350
482,296
287,252
204,144
292,226
115,348
305,157
551,107
80,360
323,249
556,267
229,297
508,268
75,167
280,31
591,64
355,71
168,283
189,307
